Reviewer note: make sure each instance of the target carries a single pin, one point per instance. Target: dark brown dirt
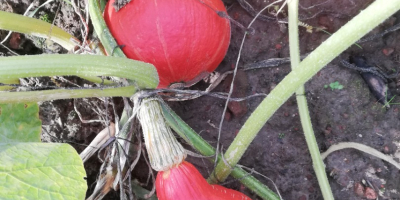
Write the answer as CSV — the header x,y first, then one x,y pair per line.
x,y
279,151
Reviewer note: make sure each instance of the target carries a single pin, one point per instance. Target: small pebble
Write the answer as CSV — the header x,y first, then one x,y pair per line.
x,y
15,41
386,149
328,129
370,193
387,51
302,197
228,116
286,114
359,189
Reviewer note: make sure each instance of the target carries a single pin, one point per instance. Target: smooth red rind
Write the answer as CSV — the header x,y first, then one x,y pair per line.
x,y
184,39
184,182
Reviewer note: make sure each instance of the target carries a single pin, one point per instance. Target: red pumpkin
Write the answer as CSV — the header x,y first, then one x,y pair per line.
x,y
184,182
184,39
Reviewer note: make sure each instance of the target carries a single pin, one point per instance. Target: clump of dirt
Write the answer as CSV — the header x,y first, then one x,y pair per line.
x,y
348,113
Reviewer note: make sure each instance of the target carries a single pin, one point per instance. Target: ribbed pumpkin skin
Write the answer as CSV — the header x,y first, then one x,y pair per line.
x,y
184,182
184,39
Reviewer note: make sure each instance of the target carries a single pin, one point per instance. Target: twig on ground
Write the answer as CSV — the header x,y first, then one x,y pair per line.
x,y
85,32
11,51
379,35
360,147
273,62
62,79
252,171
372,70
97,142
133,164
314,5
153,189
83,120
249,8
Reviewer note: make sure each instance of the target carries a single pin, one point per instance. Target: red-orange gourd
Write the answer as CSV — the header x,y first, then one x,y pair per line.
x,y
184,39
184,182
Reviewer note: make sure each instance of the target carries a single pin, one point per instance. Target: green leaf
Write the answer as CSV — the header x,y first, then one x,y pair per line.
x,y
33,170
19,123
335,85
41,171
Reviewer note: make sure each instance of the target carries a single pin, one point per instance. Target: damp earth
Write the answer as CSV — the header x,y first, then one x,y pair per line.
x,y
342,108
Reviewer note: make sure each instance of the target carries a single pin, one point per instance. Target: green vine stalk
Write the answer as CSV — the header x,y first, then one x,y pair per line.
x,y
360,25
102,30
143,75
13,67
49,95
319,167
37,27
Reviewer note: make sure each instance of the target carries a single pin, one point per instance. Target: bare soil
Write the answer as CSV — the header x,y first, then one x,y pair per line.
x,y
350,114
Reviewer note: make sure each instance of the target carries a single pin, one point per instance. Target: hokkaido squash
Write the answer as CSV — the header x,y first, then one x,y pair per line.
x,y
184,39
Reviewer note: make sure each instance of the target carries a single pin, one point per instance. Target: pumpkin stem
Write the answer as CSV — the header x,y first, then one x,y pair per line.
x,y
163,149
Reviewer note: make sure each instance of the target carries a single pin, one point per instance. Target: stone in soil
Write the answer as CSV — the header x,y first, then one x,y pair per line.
x,y
370,193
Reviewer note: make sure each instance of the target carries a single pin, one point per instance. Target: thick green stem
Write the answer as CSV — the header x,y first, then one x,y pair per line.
x,y
102,31
36,27
144,74
49,95
360,25
318,164
191,137
294,35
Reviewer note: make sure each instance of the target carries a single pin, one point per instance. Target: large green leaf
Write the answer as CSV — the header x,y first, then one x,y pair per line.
x,y
19,123
41,171
33,170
